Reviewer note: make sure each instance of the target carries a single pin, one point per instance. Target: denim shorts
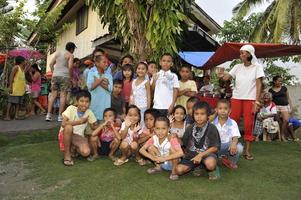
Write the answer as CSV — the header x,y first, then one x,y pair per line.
x,y
166,166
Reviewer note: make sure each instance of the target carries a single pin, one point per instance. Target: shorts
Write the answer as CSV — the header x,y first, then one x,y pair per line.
x,y
16,99
35,94
104,149
191,165
166,166
286,108
60,83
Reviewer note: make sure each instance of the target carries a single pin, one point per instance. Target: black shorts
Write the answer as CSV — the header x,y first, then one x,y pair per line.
x,y
104,149
16,99
191,165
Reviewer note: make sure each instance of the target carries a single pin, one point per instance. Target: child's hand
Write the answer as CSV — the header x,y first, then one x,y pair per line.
x,y
137,127
83,120
233,149
171,119
127,122
155,77
197,159
160,159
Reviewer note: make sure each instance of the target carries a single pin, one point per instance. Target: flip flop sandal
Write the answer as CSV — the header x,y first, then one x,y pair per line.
x,y
173,177
119,162
67,163
248,157
153,170
141,162
214,175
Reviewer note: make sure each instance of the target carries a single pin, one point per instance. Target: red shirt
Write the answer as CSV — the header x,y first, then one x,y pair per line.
x,y
126,90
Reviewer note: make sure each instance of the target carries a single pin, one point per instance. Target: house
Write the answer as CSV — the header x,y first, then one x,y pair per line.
x,y
87,32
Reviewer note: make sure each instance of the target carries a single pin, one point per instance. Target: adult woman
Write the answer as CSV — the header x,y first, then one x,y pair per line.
x,y
283,103
246,94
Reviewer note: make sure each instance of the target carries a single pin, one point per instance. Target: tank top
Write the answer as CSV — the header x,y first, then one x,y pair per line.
x,y
19,84
164,147
36,85
61,66
179,131
139,94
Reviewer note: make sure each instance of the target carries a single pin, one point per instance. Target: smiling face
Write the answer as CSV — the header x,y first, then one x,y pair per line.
x,y
141,70
133,114
161,129
179,114
166,62
83,104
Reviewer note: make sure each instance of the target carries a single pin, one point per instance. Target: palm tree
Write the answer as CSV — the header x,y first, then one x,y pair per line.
x,y
281,21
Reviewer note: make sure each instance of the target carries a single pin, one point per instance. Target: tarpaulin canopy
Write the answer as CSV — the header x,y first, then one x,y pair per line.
x,y
197,59
230,50
26,53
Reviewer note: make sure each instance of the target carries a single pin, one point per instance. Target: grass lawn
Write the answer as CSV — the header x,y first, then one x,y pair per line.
x,y
274,174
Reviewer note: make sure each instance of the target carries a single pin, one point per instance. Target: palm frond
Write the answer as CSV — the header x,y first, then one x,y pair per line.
x,y
281,18
244,7
295,24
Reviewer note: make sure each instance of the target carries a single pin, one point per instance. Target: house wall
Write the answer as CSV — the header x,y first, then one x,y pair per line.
x,y
83,41
295,94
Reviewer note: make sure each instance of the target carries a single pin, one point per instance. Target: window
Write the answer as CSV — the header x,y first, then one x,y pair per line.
x,y
82,19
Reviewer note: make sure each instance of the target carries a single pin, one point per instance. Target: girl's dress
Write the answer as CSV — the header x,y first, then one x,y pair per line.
x,y
140,97
179,131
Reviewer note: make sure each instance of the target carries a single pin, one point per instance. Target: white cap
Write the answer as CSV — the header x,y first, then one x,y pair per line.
x,y
249,48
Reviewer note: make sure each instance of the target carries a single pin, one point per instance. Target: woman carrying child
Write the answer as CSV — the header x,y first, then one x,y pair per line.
x,y
164,151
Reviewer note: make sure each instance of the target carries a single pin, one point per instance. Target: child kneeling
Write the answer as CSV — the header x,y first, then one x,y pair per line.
x,y
229,133
163,151
72,131
201,142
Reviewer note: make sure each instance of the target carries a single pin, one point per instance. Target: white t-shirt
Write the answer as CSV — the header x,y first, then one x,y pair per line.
x,y
245,81
228,130
165,84
72,114
269,109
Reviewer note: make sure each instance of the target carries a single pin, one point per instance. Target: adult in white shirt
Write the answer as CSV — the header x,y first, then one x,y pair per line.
x,y
246,94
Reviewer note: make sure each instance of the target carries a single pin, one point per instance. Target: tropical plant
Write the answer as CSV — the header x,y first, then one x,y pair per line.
x,y
145,28
280,22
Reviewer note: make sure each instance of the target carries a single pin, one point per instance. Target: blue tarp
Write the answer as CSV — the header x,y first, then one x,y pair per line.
x,y
197,59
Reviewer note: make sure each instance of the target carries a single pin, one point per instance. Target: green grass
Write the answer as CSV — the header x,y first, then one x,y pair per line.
x,y
274,174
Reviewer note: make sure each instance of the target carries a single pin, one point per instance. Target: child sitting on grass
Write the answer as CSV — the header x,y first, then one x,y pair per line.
x,y
163,151
229,133
108,133
75,121
177,121
201,142
129,132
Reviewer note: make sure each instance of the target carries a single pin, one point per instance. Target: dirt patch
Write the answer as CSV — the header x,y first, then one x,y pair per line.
x,y
15,185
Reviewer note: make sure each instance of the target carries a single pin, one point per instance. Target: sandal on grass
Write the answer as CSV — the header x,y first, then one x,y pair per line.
x,y
248,157
214,175
153,170
92,158
120,162
173,177
141,162
68,162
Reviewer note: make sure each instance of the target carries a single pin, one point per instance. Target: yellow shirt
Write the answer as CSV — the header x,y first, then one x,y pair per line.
x,y
184,85
19,83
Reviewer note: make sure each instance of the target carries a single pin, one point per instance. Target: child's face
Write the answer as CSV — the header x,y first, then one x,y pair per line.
x,y
149,121
127,61
141,70
109,116
83,104
102,64
133,115
76,64
189,106
152,69
223,110
161,129
179,114
184,73
127,73
117,88
200,116
206,80
166,63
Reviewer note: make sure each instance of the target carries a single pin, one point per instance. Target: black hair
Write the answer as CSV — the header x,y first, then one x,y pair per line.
x,y
224,101
118,82
201,105
134,107
99,58
177,107
275,78
126,67
126,56
36,67
108,110
142,63
151,62
75,60
193,100
19,60
167,54
83,93
155,113
97,49
163,119
70,46
185,66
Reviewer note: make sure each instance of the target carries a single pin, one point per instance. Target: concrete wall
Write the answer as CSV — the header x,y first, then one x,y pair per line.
x,y
295,94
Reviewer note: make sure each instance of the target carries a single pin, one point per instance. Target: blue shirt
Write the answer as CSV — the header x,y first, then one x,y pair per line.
x,y
100,97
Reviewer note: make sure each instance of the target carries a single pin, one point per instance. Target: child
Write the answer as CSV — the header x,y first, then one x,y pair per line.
x,y
166,85
108,134
127,59
229,133
187,87
141,92
189,105
75,76
72,131
17,86
151,69
201,142
117,101
129,134
177,121
100,85
207,87
163,151
293,125
150,115
128,74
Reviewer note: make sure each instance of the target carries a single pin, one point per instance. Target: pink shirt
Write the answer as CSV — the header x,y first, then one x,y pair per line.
x,y
107,134
126,90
